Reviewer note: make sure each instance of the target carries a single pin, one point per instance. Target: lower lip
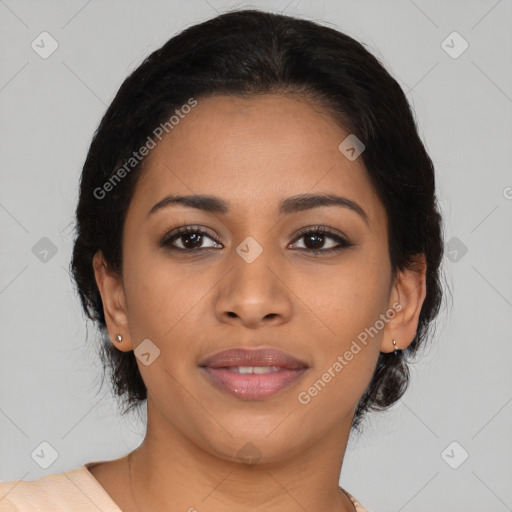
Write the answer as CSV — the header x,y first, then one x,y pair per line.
x,y
250,386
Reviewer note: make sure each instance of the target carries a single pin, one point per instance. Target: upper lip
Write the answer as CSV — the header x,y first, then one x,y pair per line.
x,y
252,357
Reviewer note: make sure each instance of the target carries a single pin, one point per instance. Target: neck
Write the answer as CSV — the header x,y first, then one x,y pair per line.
x,y
171,470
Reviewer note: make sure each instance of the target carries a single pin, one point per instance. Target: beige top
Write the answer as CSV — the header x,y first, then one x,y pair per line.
x,y
71,491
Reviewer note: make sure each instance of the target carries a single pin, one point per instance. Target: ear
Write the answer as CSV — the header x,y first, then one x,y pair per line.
x,y
114,303
407,295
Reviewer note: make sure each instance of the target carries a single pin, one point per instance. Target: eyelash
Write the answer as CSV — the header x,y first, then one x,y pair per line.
x,y
169,238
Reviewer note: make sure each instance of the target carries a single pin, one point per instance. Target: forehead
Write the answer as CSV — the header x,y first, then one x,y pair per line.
x,y
254,151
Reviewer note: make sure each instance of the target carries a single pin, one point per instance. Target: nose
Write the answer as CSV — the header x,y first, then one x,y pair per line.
x,y
254,294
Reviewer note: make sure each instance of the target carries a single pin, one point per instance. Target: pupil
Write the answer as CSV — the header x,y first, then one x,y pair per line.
x,y
319,239
314,239
192,235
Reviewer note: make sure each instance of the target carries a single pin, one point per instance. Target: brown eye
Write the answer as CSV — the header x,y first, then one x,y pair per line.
x,y
189,237
315,239
192,238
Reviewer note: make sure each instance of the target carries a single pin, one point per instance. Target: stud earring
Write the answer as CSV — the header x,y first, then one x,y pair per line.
x,y
119,337
398,352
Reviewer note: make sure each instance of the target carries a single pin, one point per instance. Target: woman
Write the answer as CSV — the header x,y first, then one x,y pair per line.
x,y
259,243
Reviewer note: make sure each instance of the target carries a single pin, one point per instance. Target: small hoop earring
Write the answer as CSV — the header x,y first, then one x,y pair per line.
x,y
398,352
119,337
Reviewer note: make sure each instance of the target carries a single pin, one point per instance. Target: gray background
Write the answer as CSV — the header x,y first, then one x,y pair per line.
x,y
461,390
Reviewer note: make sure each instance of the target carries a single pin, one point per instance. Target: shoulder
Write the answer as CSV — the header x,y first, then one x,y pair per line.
x,y
56,492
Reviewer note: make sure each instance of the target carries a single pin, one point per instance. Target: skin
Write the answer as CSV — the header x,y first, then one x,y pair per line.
x,y
251,152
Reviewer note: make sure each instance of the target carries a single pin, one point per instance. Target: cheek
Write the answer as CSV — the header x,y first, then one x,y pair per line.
x,y
344,361
159,293
350,302
352,297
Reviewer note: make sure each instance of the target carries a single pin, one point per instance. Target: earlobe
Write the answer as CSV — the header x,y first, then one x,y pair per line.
x,y
114,305
409,291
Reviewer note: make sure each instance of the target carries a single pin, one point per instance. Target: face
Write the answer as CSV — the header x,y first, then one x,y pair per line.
x,y
306,278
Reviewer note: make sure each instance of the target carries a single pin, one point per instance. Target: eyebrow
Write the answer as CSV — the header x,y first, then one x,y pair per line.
x,y
298,203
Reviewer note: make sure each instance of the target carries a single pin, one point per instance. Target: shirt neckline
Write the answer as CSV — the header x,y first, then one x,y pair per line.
x,y
356,503
107,502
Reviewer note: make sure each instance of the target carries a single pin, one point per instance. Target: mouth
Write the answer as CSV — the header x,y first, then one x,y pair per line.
x,y
253,374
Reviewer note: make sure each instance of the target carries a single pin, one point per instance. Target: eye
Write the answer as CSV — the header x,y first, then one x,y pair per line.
x,y
190,238
315,237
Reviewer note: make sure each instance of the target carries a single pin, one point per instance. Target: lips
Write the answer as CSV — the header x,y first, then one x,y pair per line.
x,y
252,374
243,357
